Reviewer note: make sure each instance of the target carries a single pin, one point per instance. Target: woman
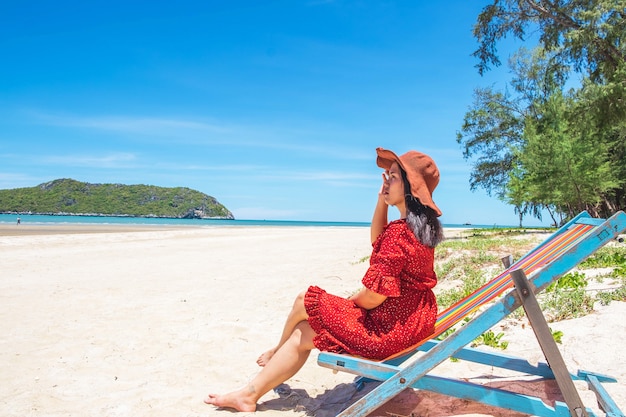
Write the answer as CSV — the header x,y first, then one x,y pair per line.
x,y
397,307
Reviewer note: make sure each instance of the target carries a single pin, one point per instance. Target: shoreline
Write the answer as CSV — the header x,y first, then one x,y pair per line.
x,y
6,219
26,229
41,229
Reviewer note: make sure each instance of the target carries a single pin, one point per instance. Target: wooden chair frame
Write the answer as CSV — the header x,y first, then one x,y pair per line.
x,y
577,240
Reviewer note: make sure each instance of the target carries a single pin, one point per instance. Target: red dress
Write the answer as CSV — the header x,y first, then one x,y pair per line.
x,y
402,268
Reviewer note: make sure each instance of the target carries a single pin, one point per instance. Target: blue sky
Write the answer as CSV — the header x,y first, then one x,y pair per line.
x,y
273,107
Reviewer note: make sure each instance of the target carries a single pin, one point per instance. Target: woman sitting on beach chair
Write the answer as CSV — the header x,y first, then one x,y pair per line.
x,y
396,309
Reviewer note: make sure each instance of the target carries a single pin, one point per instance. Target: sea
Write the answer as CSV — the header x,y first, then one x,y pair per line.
x,y
127,220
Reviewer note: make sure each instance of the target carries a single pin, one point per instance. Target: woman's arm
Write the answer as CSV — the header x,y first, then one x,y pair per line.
x,y
379,220
368,299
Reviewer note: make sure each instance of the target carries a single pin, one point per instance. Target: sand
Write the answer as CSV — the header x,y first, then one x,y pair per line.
x,y
145,321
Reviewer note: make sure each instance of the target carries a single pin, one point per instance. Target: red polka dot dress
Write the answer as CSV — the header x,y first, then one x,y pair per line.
x,y
401,268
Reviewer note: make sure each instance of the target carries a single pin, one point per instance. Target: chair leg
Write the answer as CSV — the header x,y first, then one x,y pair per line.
x,y
548,345
606,402
507,261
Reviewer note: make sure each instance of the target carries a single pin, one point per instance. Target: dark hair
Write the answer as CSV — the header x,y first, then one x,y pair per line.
x,y
421,219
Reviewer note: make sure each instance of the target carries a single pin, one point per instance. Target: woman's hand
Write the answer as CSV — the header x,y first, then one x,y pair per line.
x,y
379,220
381,192
368,299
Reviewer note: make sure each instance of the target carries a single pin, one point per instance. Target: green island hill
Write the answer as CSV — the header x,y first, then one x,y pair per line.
x,y
70,197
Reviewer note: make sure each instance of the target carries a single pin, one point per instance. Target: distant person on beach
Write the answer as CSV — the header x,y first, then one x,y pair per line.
x,y
395,309
19,221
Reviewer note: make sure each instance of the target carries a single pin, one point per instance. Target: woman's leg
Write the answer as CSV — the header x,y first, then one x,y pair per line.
x,y
287,360
296,315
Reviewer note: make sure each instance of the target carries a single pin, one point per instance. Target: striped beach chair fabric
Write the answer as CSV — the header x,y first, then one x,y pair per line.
x,y
557,255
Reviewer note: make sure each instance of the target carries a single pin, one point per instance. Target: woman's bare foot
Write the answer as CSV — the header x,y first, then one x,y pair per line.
x,y
265,357
239,400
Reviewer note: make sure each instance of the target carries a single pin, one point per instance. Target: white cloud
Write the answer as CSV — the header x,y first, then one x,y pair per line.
x,y
12,180
260,213
143,125
115,160
303,138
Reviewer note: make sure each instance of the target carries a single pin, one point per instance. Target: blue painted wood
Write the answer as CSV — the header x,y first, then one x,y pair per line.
x,y
608,231
584,375
591,221
495,397
580,217
408,376
499,360
606,402
395,382
461,389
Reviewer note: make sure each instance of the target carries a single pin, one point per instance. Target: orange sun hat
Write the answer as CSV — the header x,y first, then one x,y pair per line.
x,y
421,171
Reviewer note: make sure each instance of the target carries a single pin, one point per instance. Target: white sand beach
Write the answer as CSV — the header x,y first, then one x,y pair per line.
x,y
145,321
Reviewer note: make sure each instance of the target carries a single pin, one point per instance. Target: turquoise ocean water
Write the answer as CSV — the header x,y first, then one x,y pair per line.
x,y
51,220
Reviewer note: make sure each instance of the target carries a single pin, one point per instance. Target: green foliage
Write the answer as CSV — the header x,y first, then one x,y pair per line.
x,y
486,240
447,333
557,335
362,260
479,249
585,34
472,280
618,294
537,145
489,338
490,133
607,257
567,297
562,305
572,281
560,165
67,196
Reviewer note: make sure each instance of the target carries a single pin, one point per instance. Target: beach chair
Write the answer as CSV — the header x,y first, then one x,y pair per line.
x,y
557,255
